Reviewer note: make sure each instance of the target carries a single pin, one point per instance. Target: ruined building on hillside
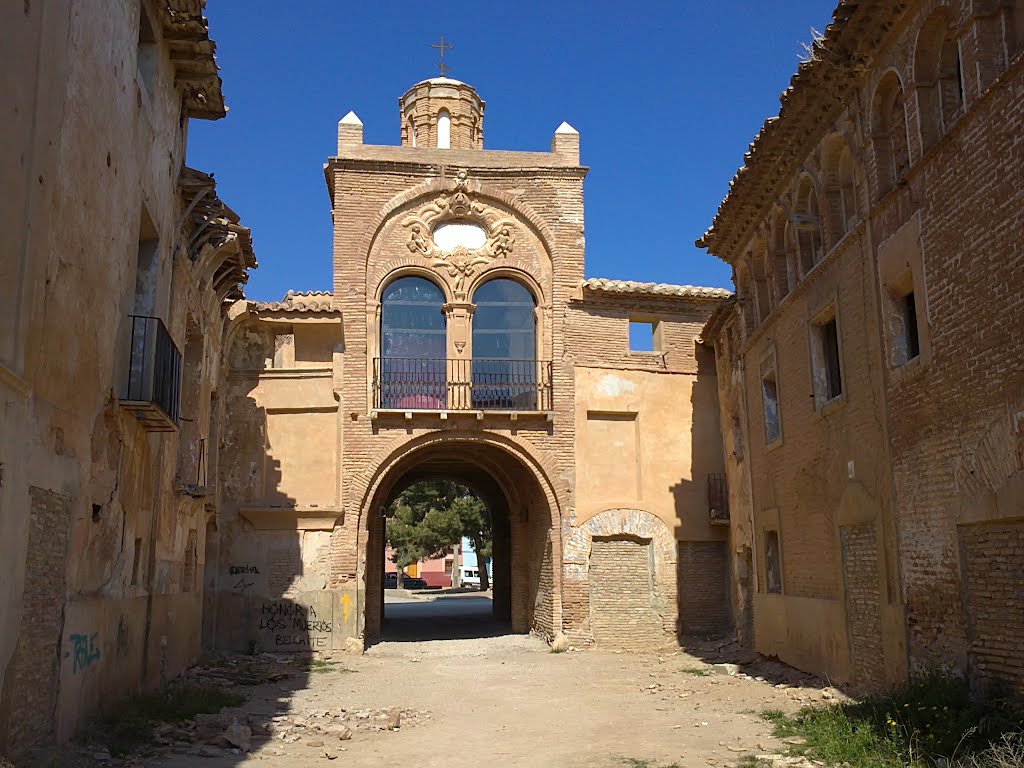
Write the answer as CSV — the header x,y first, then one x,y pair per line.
x,y
871,366
115,265
462,341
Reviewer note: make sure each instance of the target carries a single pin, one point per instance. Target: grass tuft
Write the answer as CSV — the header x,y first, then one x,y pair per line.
x,y
931,720
130,724
696,671
634,762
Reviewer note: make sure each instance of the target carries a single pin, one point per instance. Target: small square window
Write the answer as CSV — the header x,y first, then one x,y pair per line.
x,y
643,336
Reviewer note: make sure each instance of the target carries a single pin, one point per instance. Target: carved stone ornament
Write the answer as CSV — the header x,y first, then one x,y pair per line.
x,y
458,205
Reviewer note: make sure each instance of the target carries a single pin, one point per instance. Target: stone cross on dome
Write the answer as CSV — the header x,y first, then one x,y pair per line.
x,y
442,46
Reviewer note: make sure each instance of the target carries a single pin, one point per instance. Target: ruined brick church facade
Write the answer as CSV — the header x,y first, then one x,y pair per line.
x,y
829,463
461,340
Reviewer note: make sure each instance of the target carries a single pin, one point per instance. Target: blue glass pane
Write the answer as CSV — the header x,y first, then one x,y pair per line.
x,y
503,324
412,324
504,347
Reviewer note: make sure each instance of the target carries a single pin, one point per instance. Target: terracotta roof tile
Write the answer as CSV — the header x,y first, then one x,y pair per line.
x,y
301,301
816,95
606,286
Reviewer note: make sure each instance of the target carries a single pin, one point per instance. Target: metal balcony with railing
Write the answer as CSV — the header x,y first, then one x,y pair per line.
x,y
718,498
439,384
152,387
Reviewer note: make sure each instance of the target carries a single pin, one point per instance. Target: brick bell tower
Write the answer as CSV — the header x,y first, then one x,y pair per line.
x,y
441,113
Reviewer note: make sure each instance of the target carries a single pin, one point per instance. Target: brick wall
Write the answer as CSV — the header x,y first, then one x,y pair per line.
x,y
703,578
863,617
33,676
621,592
993,566
925,449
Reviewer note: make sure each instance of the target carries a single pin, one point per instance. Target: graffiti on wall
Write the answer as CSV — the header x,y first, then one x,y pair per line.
x,y
84,651
294,626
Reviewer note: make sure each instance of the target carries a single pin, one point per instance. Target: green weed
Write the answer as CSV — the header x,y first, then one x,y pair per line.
x,y
696,671
931,720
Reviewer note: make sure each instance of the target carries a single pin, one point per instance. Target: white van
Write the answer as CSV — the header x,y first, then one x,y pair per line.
x,y
469,577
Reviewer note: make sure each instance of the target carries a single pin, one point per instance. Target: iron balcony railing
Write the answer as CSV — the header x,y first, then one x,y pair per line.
x,y
154,370
718,498
439,384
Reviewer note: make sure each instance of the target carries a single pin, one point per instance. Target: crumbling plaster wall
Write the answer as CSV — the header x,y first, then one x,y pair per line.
x,y
279,487
99,155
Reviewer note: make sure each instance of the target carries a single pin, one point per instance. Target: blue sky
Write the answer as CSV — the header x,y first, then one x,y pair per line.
x,y
666,96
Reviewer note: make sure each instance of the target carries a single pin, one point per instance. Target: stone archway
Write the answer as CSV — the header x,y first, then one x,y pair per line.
x,y
619,570
514,485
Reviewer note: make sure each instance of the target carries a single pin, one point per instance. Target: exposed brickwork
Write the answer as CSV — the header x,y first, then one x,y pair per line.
x,y
911,201
860,575
33,676
993,559
703,577
622,597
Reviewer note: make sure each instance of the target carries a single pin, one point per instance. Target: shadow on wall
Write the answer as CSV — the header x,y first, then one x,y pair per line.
x,y
254,607
702,556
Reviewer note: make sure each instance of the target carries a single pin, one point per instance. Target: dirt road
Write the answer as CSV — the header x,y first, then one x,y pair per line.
x,y
507,700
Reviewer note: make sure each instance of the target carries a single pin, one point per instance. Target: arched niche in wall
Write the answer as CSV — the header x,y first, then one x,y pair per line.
x,y
807,225
938,75
889,132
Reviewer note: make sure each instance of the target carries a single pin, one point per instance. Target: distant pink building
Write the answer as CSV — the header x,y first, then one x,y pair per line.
x,y
436,572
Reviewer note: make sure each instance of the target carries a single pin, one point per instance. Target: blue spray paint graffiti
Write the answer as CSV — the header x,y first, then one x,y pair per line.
x,y
84,651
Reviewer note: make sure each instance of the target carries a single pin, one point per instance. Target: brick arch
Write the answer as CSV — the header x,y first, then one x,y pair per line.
x,y
514,269
409,266
523,212
576,556
534,592
539,462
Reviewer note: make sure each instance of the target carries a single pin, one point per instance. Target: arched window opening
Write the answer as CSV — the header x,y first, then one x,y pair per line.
x,y
951,81
505,366
779,258
889,128
412,132
444,130
847,193
413,345
808,226
746,300
836,223
939,77
759,255
1015,28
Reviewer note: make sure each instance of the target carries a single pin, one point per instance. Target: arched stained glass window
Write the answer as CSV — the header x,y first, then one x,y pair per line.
x,y
413,345
504,346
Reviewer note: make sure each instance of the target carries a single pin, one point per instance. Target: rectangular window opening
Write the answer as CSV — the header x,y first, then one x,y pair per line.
x,y
911,336
830,348
770,400
643,336
772,563
826,368
147,51
137,561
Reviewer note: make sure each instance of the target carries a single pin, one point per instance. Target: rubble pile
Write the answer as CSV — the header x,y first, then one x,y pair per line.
x,y
227,671
236,730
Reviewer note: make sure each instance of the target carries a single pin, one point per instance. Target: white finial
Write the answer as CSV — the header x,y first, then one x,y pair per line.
x,y
353,119
566,128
